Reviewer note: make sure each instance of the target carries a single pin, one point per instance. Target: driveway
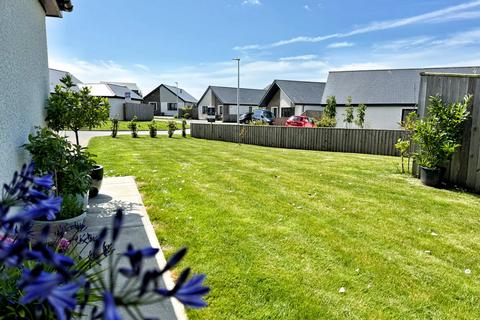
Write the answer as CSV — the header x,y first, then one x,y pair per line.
x,y
85,136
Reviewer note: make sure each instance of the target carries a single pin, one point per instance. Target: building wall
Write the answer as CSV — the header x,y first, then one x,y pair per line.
x,y
376,117
280,100
207,100
24,80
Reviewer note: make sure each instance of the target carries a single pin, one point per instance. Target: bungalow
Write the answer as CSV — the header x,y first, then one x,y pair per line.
x,y
224,99
167,100
117,96
24,78
57,75
286,98
130,85
390,95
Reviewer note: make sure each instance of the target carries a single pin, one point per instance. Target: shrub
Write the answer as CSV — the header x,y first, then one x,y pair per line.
x,y
172,127
361,111
403,146
331,108
186,112
327,122
440,133
133,126
349,117
152,127
114,127
70,109
184,128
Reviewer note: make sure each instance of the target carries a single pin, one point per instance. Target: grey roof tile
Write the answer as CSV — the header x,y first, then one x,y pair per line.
x,y
182,94
385,87
228,95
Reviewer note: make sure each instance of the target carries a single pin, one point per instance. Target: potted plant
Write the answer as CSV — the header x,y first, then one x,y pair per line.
x,y
70,166
152,127
438,136
172,126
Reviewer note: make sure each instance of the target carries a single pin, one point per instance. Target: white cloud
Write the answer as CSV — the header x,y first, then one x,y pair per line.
x,y
300,58
142,66
251,2
458,12
344,44
307,7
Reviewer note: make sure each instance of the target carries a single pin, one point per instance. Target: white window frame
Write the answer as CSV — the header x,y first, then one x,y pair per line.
x,y
154,104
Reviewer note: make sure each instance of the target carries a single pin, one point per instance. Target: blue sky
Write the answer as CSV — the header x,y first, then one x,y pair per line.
x,y
192,42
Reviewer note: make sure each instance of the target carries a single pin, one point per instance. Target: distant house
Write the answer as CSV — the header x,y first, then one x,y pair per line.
x,y
224,99
117,96
57,75
164,98
390,95
130,85
286,98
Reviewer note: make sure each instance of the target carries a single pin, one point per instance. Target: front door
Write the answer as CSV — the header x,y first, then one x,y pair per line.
x,y
275,112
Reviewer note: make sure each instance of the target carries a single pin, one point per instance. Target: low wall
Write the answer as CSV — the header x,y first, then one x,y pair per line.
x,y
368,141
143,112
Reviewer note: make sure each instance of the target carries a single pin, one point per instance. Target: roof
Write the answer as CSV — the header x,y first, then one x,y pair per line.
x,y
130,85
56,75
54,8
182,93
382,87
109,90
299,92
228,95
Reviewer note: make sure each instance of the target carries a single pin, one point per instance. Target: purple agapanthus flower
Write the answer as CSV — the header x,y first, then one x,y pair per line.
x,y
136,257
39,286
110,310
189,293
44,182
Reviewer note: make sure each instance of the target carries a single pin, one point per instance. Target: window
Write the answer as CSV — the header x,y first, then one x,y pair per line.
x,y
204,109
406,112
288,112
221,109
154,104
171,106
250,109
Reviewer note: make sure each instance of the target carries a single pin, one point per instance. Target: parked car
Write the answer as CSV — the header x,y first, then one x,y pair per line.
x,y
300,121
263,115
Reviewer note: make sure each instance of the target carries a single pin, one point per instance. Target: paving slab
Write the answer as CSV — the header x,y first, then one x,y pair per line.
x,y
138,230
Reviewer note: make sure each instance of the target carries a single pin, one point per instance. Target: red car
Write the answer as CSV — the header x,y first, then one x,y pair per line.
x,y
300,121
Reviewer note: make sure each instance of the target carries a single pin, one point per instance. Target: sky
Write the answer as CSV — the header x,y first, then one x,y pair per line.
x,y
193,42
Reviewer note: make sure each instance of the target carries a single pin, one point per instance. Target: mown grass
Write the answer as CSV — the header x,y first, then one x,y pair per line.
x,y
142,126
279,232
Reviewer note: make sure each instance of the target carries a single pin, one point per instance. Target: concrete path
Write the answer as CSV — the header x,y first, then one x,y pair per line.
x,y
85,136
138,230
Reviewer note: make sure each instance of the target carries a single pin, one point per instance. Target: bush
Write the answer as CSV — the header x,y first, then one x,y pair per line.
x,y
349,117
440,134
186,112
327,122
133,126
361,111
331,108
114,127
172,127
152,127
184,128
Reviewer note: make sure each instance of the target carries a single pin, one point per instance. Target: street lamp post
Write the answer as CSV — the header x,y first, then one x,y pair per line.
x,y
238,90
178,110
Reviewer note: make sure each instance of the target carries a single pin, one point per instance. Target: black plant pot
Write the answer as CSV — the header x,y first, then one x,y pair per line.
x,y
431,177
97,179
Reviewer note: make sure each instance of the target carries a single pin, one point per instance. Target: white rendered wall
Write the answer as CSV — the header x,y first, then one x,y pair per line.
x,y
24,80
377,117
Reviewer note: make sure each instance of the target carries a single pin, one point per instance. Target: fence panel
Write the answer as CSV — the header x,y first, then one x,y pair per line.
x,y
143,112
368,141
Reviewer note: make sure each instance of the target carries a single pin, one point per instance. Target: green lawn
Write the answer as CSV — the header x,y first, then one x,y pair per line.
x,y
142,125
279,232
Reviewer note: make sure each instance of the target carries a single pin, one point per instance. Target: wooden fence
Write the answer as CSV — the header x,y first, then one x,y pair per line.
x,y
464,169
143,112
368,141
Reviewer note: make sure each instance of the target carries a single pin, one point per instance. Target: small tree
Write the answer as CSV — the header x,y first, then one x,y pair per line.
x,y
184,128
114,127
172,126
349,117
133,126
72,109
361,111
331,108
403,146
152,127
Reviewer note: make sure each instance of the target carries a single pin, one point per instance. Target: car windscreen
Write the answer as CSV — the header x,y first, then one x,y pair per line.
x,y
268,114
296,118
